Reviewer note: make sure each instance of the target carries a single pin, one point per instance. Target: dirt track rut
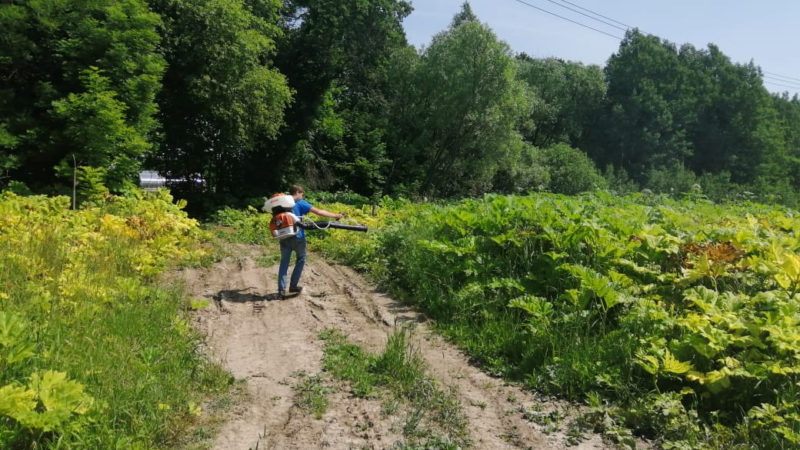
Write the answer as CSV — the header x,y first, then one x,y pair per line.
x,y
268,342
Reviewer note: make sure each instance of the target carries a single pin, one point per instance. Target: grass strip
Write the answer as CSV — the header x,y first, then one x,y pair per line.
x,y
434,417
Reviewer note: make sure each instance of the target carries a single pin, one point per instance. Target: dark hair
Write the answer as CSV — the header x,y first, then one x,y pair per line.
x,y
296,188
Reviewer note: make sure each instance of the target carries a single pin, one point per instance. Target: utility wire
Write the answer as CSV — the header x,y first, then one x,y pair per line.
x,y
568,20
597,14
781,85
782,78
586,15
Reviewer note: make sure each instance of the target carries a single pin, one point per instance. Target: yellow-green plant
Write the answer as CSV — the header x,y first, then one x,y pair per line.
x,y
643,300
93,352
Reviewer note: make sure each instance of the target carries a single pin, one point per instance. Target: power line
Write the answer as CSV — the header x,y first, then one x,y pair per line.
x,y
586,15
568,20
780,80
781,85
597,14
782,76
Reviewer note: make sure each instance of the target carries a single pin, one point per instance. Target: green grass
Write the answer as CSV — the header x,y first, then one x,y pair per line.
x,y
80,296
312,394
434,418
140,361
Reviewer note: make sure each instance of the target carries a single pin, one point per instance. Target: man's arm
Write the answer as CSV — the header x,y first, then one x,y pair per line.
x,y
325,213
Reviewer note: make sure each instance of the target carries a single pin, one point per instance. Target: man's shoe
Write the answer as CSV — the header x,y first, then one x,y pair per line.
x,y
296,289
282,295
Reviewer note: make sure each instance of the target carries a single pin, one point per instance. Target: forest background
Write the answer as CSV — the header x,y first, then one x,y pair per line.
x,y
240,98
248,96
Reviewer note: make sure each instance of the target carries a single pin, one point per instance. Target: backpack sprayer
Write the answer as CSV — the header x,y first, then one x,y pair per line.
x,y
285,223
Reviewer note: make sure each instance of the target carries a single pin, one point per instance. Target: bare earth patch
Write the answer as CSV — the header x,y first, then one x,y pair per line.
x,y
274,345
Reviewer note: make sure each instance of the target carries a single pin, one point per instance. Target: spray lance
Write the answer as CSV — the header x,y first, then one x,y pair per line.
x,y
285,224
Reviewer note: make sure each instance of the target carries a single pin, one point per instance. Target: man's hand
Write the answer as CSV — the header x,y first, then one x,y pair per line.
x,y
326,213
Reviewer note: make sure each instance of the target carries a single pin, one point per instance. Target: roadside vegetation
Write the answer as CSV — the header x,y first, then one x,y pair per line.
x,y
397,376
94,352
676,320
669,315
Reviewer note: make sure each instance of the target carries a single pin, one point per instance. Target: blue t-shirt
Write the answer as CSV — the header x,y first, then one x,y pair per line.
x,y
301,208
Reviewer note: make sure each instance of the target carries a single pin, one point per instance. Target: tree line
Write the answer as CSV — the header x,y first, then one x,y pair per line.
x,y
251,95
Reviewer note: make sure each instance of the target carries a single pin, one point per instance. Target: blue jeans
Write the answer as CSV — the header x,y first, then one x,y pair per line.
x,y
289,245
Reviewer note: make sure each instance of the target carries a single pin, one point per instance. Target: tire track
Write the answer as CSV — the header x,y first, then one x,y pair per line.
x,y
273,344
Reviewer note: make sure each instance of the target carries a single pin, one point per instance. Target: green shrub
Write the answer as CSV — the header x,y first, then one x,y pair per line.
x,y
345,198
673,180
571,170
619,181
248,226
524,170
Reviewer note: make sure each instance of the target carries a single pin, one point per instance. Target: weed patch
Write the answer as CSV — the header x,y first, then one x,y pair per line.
x,y
680,316
434,418
94,353
312,395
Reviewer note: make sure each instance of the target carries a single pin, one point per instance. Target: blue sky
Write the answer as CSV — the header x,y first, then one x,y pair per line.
x,y
766,32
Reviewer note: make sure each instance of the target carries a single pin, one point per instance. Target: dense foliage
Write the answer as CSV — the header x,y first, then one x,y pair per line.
x,y
221,96
657,313
684,308
79,81
669,107
93,354
239,98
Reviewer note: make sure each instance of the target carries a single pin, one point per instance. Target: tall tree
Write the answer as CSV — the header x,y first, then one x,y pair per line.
x,y
569,99
465,15
737,127
222,97
467,105
403,93
646,117
78,81
691,108
335,55
788,110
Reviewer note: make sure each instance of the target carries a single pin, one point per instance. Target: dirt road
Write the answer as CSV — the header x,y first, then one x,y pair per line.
x,y
271,343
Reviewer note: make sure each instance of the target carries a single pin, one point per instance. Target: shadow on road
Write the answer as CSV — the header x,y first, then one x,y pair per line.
x,y
244,296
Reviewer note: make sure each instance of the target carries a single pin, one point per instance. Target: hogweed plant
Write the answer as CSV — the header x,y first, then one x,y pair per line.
x,y
646,304
94,352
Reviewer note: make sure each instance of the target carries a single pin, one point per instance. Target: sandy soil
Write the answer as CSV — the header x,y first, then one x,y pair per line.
x,y
270,343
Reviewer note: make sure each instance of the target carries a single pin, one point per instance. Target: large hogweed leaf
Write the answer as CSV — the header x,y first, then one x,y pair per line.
x,y
782,418
670,364
50,402
15,400
537,307
593,283
647,362
718,380
660,364
787,267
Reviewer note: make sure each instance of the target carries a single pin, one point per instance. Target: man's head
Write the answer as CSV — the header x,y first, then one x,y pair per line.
x,y
296,191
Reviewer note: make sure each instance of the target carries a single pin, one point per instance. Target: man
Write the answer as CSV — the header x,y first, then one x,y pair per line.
x,y
297,244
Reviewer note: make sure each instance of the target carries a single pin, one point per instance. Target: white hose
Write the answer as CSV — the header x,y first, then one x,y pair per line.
x,y
313,224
